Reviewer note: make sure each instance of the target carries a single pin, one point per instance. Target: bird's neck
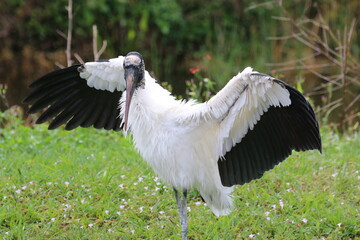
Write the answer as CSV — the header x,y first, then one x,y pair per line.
x,y
149,104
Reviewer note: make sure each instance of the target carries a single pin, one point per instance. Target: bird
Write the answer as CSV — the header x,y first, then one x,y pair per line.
x,y
252,124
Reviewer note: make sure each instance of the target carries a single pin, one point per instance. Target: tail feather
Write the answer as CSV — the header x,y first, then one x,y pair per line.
x,y
219,200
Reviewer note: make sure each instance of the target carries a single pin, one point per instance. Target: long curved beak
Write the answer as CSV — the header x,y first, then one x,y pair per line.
x,y
130,77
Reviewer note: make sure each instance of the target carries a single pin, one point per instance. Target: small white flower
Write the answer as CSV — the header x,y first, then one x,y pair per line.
x,y
106,212
267,213
24,187
281,204
53,219
140,179
66,183
268,218
188,209
334,175
132,231
161,212
146,188
109,230
304,220
121,206
122,176
81,227
18,191
197,203
7,233
339,224
251,236
118,213
141,209
90,225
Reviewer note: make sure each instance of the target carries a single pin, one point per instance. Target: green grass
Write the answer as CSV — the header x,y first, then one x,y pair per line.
x,y
91,184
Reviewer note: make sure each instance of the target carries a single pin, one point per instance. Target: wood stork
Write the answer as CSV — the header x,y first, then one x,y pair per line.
x,y
247,128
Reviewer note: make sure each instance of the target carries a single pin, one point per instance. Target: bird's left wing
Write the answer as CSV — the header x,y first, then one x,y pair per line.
x,y
260,121
268,120
81,95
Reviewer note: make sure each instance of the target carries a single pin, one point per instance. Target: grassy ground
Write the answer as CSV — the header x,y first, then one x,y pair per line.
x,y
90,184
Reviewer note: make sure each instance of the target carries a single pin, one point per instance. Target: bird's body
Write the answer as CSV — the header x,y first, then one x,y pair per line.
x,y
249,126
181,151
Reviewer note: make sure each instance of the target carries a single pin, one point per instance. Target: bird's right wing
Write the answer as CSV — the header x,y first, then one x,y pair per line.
x,y
81,95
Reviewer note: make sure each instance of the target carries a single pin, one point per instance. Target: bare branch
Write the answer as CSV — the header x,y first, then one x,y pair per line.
x,y
69,33
331,104
59,65
282,37
97,53
324,77
334,46
259,5
62,34
285,19
103,47
307,67
352,103
77,56
293,61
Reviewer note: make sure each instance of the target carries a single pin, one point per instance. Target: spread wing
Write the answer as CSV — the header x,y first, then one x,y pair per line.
x,y
81,95
268,120
260,121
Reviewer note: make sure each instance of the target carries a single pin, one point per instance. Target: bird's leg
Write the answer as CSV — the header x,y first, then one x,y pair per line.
x,y
181,201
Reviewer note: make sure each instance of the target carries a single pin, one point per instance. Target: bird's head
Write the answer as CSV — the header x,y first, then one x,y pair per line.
x,y
134,76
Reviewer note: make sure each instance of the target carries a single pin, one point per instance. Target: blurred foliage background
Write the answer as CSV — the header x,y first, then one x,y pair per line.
x,y
312,44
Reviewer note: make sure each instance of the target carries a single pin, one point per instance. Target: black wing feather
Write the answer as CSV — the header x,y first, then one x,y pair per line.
x,y
72,102
279,131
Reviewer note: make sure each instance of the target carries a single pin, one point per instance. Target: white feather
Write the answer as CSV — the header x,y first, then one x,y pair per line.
x,y
175,137
107,75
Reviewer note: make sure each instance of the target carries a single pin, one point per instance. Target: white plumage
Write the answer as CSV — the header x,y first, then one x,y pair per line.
x,y
175,137
249,126
106,75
